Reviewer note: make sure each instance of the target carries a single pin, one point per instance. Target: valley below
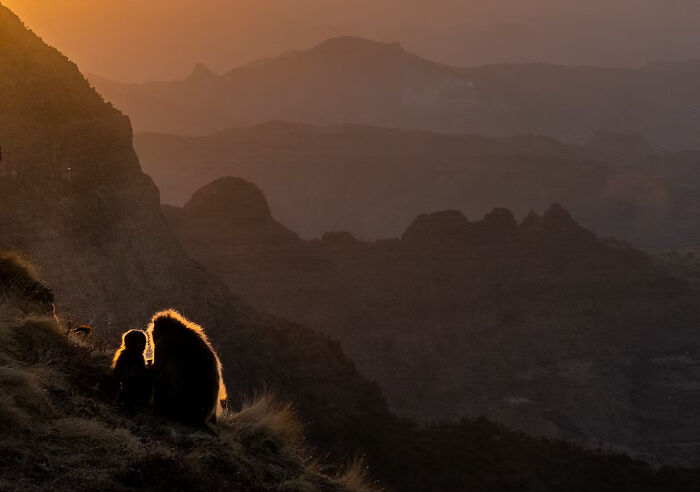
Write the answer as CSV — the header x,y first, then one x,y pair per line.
x,y
539,325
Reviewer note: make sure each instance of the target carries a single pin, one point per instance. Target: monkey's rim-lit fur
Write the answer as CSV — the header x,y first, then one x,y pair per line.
x,y
132,341
174,321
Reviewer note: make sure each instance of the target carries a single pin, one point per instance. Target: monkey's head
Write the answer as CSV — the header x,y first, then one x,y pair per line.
x,y
134,341
171,323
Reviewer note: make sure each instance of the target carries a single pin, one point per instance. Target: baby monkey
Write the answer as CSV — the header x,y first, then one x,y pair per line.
x,y
132,371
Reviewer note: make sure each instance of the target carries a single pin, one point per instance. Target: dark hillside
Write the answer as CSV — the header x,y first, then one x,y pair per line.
x,y
62,431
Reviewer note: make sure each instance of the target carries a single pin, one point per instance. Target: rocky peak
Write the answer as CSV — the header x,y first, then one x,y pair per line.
x,y
201,72
437,225
500,221
558,217
230,200
531,221
557,229
349,45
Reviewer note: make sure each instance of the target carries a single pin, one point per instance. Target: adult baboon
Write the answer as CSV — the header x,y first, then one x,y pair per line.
x,y
187,372
131,370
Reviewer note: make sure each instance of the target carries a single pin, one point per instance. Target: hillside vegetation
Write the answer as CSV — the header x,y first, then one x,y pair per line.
x,y
61,429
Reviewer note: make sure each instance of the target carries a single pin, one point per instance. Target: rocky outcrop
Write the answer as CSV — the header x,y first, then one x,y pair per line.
x,y
235,206
437,226
230,200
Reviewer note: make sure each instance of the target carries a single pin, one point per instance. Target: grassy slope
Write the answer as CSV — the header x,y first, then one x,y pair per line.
x,y
61,430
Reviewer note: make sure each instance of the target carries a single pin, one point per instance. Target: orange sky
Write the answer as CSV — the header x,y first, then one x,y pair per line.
x,y
152,39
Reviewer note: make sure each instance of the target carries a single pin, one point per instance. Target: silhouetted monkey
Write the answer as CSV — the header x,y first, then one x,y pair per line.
x,y
132,370
187,372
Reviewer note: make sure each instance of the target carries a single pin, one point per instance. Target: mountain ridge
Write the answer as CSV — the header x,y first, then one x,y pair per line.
x,y
354,80
615,184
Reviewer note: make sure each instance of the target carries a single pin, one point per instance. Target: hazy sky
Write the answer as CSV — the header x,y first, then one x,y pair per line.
x,y
160,39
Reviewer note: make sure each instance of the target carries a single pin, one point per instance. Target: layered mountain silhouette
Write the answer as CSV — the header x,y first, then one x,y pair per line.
x,y
540,324
372,181
354,80
74,199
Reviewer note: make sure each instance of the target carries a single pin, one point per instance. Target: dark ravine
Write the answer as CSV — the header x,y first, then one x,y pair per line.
x,y
539,325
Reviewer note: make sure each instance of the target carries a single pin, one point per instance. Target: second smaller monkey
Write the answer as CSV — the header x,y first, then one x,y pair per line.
x,y
132,371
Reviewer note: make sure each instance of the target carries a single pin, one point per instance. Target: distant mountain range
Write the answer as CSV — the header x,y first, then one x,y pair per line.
x,y
373,181
353,80
539,325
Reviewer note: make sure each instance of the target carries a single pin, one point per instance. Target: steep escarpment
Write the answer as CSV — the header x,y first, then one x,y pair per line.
x,y
540,324
74,198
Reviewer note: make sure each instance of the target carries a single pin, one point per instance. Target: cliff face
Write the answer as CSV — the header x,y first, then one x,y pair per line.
x,y
73,192
73,198
540,325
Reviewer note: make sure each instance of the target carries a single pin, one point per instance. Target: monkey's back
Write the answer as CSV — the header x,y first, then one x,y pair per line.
x,y
187,377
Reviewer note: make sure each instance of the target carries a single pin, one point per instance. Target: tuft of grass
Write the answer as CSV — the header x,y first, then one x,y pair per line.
x,y
355,477
22,397
37,340
20,285
266,416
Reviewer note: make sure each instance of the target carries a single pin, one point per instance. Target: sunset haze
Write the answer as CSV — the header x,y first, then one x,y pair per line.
x,y
134,40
